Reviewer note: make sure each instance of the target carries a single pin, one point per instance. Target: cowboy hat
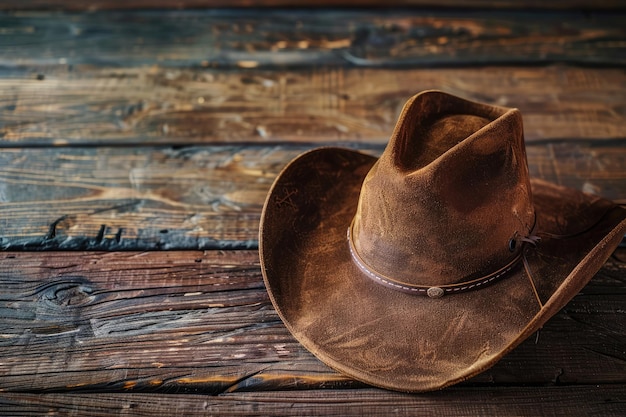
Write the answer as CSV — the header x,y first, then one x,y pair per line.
x,y
422,268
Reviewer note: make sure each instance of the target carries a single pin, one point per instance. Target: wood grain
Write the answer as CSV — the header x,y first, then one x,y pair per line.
x,y
581,401
191,321
83,105
199,197
94,5
152,135
245,38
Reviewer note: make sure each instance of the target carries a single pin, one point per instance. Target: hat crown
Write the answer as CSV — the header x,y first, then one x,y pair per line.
x,y
448,196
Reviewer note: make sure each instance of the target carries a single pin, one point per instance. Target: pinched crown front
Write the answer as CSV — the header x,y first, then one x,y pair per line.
x,y
448,198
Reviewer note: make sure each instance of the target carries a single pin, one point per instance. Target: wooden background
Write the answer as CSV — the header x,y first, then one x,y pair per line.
x,y
139,139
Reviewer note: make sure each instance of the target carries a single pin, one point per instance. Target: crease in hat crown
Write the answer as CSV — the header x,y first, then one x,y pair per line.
x,y
449,196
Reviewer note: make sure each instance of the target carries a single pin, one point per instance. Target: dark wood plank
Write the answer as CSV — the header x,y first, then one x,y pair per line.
x,y
202,322
584,401
192,4
86,105
269,38
199,197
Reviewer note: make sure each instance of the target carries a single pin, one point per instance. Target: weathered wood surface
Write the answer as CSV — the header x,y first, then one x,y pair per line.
x,y
199,197
94,5
59,105
590,400
243,38
191,321
126,131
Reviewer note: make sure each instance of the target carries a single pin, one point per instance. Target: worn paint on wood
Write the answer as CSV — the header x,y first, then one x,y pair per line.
x,y
246,39
193,321
199,197
85,105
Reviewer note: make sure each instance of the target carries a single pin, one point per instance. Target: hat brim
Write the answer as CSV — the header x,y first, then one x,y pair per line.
x,y
406,342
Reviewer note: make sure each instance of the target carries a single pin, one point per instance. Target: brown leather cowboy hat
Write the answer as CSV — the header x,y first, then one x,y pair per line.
x,y
423,268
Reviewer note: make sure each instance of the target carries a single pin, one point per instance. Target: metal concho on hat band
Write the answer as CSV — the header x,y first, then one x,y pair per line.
x,y
428,290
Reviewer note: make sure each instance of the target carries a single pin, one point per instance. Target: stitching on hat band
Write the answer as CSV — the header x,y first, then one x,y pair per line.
x,y
431,291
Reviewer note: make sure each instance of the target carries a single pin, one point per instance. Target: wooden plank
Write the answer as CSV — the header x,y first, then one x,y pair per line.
x,y
193,321
583,401
199,197
94,5
269,38
86,105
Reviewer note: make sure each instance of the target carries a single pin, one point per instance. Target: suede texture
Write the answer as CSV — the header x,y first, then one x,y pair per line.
x,y
448,194
440,206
